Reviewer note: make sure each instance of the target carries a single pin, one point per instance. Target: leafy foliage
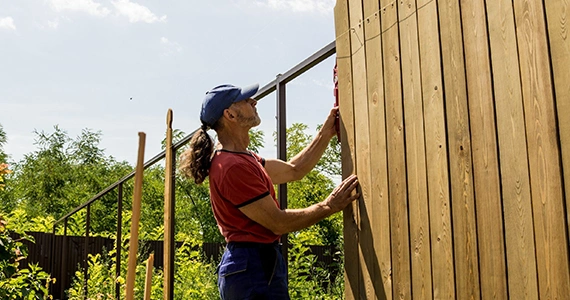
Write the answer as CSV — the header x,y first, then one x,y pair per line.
x,y
3,140
308,279
64,173
15,282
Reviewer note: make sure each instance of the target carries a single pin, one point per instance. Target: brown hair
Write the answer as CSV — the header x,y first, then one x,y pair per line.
x,y
195,161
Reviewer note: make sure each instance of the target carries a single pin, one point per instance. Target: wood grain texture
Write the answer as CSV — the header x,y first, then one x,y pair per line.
x,y
492,258
400,243
135,218
542,142
436,150
557,15
519,234
380,259
462,198
415,151
352,272
362,146
168,211
148,277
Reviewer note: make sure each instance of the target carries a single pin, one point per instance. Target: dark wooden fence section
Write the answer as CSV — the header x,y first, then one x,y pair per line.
x,y
69,250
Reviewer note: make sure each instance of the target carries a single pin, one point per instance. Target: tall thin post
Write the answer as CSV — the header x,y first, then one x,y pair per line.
x,y
282,152
134,240
64,260
148,277
119,240
86,250
168,244
52,258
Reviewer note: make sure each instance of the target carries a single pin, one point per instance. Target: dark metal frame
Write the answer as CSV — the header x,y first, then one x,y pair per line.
x,y
278,85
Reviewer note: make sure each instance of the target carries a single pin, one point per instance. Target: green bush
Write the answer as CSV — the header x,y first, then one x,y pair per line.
x,y
15,282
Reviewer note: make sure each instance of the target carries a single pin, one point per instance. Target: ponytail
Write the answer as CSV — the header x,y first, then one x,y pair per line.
x,y
195,161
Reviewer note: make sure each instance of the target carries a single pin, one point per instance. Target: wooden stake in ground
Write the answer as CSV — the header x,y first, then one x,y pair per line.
x,y
168,214
134,240
148,278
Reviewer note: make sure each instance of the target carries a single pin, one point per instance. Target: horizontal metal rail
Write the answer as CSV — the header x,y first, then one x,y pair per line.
x,y
297,70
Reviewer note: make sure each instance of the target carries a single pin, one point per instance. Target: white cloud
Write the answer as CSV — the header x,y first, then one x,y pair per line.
x,y
169,47
136,12
7,23
88,6
53,24
320,6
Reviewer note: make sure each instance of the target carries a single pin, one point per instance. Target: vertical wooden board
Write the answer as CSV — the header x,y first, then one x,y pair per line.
x,y
436,152
485,157
415,151
401,287
542,141
362,147
519,234
344,72
462,199
557,15
380,221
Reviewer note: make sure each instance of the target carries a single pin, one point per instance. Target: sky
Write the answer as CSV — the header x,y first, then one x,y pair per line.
x,y
117,66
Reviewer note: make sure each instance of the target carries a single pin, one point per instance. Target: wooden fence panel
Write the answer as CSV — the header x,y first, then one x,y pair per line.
x,y
379,209
415,150
362,143
399,222
462,207
484,151
519,234
350,215
467,106
558,15
543,151
436,149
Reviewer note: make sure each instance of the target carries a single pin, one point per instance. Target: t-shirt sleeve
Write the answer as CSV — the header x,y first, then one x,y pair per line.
x,y
243,185
260,159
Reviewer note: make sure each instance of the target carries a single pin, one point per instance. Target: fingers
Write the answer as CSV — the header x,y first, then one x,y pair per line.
x,y
334,111
349,184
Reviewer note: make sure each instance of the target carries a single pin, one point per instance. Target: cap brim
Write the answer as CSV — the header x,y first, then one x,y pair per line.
x,y
247,92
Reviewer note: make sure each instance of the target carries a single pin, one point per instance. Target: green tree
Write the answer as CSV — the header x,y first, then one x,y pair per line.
x,y
3,140
63,173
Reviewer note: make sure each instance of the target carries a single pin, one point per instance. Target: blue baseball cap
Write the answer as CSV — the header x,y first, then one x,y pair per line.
x,y
220,98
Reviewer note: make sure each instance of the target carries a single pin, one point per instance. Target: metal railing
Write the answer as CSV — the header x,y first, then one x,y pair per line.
x,y
277,85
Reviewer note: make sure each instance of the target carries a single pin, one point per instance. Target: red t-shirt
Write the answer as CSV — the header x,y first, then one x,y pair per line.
x,y
238,179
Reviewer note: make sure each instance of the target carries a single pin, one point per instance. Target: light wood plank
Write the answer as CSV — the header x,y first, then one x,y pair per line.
x,y
362,146
543,151
463,209
415,151
168,244
436,150
380,218
492,258
401,287
519,234
557,15
344,71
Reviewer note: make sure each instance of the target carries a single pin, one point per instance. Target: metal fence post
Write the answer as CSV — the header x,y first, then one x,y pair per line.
x,y
63,260
86,249
119,241
282,153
